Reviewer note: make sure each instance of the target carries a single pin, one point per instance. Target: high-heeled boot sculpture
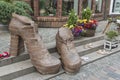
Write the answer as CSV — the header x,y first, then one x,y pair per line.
x,y
23,27
65,46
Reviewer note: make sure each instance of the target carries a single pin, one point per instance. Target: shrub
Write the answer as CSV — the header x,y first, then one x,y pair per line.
x,y
86,14
6,10
7,7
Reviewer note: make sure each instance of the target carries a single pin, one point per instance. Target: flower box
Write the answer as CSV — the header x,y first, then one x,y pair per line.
x,y
88,26
109,45
81,27
89,33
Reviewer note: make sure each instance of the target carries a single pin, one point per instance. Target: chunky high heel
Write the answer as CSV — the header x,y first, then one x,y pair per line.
x,y
22,28
65,46
16,45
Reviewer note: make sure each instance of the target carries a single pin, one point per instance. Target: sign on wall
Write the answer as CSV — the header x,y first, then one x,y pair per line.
x,y
116,6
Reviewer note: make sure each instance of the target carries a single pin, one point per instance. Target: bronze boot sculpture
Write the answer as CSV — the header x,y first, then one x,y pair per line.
x,y
65,46
23,27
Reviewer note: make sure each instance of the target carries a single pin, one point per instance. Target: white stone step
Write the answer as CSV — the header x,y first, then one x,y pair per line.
x,y
15,70
83,51
91,58
24,67
52,49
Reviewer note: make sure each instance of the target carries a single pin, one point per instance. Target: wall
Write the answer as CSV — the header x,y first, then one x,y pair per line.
x,y
59,20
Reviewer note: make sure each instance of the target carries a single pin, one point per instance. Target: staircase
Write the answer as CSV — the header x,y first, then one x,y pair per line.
x,y
20,67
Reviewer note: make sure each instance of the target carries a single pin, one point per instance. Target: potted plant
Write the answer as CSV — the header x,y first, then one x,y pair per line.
x,y
71,24
88,24
111,40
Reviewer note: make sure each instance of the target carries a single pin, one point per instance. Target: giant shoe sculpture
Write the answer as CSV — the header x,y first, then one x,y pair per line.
x,y
24,28
65,46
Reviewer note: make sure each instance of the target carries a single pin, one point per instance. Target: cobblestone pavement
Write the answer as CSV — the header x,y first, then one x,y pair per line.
x,y
107,68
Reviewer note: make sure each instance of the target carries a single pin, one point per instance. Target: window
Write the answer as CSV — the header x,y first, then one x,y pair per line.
x,y
87,3
98,6
47,7
67,5
115,7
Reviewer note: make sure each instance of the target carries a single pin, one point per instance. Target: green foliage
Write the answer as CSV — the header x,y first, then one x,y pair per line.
x,y
23,6
10,1
86,14
7,8
72,18
112,34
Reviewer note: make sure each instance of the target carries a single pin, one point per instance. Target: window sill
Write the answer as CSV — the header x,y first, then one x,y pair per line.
x,y
51,18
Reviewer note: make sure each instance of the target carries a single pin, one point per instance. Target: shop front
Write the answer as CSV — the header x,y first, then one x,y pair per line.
x,y
54,13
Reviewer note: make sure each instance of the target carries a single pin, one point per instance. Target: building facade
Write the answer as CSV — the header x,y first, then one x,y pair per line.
x,y
54,13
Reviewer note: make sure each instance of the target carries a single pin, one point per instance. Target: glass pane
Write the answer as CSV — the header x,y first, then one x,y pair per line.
x,y
116,6
47,7
86,3
67,5
98,8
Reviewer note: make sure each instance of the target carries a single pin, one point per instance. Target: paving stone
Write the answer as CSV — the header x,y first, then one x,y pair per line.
x,y
104,69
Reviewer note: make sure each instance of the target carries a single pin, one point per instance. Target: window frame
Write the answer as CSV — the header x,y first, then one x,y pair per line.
x,y
101,8
49,14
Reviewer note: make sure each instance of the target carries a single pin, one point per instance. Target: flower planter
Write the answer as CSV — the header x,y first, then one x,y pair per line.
x,y
89,33
109,45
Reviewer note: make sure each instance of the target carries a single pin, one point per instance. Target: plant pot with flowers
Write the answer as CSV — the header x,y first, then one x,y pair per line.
x,y
111,40
89,25
71,24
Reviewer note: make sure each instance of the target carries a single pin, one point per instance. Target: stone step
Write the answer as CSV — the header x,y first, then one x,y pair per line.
x,y
15,70
78,42
24,56
19,69
92,57
3,28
